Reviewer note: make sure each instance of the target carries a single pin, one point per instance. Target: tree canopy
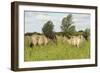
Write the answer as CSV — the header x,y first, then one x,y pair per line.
x,y
67,28
48,28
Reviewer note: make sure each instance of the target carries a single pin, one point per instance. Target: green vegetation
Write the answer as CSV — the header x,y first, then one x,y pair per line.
x,y
67,28
61,51
86,33
58,50
48,28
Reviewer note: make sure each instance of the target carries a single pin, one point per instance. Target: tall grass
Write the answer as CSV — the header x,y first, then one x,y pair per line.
x,y
59,51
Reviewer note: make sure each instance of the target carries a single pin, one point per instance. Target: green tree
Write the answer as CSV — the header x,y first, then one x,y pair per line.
x,y
48,31
48,28
67,28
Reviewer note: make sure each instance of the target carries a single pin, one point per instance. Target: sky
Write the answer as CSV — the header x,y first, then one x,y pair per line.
x,y
34,20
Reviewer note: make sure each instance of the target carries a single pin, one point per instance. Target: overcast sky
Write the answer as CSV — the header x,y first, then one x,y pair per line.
x,y
34,21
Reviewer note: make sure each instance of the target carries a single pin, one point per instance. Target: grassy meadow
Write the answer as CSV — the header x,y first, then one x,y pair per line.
x,y
51,51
